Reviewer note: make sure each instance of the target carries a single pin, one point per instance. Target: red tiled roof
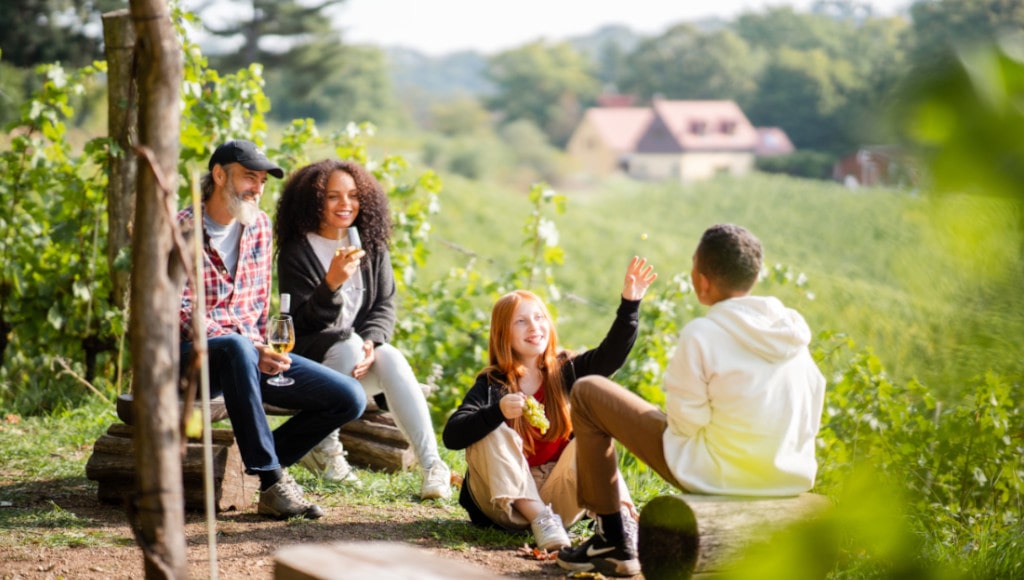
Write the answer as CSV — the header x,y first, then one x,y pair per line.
x,y
615,100
773,141
698,125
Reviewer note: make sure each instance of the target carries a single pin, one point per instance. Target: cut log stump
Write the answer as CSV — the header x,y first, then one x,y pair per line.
x,y
112,465
372,441
699,536
375,442
378,560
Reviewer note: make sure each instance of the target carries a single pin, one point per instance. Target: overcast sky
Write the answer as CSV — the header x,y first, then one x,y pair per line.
x,y
442,26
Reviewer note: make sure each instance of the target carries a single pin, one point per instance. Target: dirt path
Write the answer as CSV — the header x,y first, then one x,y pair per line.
x,y
103,545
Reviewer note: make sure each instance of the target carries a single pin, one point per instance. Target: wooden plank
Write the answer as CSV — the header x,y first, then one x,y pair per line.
x,y
377,560
688,534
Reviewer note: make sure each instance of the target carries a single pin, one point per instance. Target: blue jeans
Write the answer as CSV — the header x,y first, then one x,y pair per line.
x,y
325,400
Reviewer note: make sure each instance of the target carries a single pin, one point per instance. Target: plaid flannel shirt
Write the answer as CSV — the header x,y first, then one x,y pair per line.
x,y
238,304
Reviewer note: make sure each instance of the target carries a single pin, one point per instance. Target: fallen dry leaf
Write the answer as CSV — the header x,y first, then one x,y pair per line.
x,y
536,553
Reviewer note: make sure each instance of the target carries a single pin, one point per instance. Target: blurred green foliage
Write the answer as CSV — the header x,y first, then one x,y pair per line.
x,y
926,472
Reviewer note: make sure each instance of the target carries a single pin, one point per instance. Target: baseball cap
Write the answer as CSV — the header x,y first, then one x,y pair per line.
x,y
246,153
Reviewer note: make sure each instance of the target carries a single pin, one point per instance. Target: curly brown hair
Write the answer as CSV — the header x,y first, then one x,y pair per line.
x,y
302,203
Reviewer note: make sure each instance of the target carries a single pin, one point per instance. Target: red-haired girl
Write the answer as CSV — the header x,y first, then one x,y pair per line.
x,y
520,475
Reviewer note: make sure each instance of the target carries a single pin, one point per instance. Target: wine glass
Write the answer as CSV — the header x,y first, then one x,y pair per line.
x,y
352,233
281,338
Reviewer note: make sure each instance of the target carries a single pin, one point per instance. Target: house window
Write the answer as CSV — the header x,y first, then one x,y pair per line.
x,y
728,127
698,127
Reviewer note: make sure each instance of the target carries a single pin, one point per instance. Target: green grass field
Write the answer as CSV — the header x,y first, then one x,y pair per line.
x,y
878,261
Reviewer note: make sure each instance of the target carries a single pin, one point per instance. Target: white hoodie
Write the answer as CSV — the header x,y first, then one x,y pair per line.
x,y
744,399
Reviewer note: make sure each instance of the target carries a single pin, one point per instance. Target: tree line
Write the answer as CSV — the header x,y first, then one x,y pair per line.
x,y
827,76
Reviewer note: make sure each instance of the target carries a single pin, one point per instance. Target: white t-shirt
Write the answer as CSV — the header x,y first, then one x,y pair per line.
x,y
224,239
352,289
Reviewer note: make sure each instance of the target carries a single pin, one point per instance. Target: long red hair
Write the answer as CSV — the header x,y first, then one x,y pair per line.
x,y
504,362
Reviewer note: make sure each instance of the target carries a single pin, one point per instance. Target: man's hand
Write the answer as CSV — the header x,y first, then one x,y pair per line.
x,y
272,363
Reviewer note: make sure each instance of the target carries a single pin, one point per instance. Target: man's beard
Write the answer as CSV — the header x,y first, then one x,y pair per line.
x,y
245,212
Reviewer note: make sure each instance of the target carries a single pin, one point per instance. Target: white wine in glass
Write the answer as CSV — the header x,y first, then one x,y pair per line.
x,y
281,338
352,234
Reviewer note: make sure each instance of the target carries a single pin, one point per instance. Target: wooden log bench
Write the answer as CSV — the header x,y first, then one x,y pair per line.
x,y
701,536
112,465
378,560
372,441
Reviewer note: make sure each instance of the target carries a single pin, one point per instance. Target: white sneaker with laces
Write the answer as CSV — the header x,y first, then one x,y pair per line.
x,y
548,531
437,481
327,461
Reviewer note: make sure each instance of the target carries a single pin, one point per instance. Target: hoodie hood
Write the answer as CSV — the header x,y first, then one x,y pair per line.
x,y
763,325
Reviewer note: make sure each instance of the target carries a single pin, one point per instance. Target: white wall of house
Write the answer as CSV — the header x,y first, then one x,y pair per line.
x,y
689,167
590,153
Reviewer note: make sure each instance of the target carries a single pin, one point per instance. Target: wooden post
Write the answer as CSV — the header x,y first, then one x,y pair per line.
x,y
157,280
122,118
688,535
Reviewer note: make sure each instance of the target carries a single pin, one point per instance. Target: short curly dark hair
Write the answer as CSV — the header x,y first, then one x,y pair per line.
x,y
302,203
730,256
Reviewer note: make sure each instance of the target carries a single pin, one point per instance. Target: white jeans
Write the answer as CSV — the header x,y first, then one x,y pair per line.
x,y
499,475
391,374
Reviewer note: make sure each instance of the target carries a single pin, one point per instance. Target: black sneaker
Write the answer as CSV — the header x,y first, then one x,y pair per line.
x,y
600,555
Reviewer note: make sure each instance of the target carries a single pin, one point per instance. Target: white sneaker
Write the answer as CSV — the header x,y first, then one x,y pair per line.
x,y
549,531
437,481
327,461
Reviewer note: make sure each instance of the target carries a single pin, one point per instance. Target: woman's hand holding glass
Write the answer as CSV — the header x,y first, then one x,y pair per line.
x,y
345,263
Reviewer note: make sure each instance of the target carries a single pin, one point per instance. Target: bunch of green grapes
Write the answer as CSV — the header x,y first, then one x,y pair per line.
x,y
535,415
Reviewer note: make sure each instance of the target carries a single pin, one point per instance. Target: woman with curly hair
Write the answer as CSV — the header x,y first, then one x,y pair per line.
x,y
514,421
342,303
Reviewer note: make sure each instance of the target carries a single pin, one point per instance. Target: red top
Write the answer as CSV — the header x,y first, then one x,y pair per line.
x,y
544,451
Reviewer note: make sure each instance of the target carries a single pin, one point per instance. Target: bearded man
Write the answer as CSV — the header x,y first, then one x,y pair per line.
x,y
236,276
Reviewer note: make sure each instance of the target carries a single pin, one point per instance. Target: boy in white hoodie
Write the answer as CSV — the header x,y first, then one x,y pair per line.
x,y
742,406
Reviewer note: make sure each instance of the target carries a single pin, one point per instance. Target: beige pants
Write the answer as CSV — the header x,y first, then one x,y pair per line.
x,y
499,475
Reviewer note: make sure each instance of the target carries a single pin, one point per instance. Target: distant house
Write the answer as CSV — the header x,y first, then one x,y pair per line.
x,y
606,137
678,140
772,141
877,165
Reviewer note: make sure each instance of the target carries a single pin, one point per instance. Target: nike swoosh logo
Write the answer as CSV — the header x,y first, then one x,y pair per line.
x,y
591,552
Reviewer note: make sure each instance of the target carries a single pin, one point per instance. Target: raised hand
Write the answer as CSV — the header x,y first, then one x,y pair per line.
x,y
639,275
